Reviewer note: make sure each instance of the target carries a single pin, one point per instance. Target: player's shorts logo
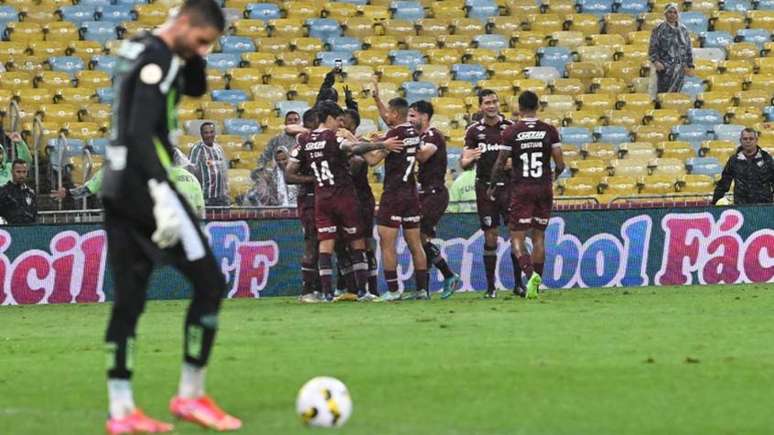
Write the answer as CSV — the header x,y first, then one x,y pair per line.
x,y
541,221
525,220
327,230
396,218
487,221
411,219
350,230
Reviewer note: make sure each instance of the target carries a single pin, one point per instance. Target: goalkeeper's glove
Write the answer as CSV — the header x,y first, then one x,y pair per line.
x,y
168,219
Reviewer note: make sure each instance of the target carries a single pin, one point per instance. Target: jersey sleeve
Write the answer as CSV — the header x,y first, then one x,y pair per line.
x,y
470,138
553,137
393,132
195,77
506,138
296,154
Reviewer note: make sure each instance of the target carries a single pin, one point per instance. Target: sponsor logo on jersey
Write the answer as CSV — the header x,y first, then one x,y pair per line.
x,y
531,135
313,146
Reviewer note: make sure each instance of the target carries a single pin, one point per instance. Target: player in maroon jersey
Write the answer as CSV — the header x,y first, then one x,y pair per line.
x,y
531,144
433,195
482,145
399,205
309,274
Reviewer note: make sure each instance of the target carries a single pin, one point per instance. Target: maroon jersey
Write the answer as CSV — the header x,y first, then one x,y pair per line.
x,y
322,153
305,190
530,142
432,173
488,139
360,178
399,167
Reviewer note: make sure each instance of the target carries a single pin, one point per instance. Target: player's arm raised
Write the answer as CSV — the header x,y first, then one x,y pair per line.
x,y
377,99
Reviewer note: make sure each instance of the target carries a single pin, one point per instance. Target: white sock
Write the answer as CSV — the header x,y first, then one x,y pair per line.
x,y
191,381
120,396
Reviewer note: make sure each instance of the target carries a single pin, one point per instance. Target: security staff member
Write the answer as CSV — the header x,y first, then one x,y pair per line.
x,y
18,204
752,171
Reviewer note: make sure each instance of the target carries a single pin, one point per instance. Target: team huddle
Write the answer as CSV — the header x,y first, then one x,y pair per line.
x,y
336,205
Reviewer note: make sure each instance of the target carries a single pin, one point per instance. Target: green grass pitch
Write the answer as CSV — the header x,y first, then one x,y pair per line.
x,y
671,360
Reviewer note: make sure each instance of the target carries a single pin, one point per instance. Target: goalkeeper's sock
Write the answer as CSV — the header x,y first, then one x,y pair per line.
x,y
120,397
191,381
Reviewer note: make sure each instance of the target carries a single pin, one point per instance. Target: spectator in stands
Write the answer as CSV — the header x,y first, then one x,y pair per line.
x,y
670,51
752,171
462,195
18,204
20,151
285,139
271,188
211,167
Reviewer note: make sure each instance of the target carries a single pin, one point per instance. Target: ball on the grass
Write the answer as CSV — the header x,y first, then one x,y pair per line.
x,y
324,402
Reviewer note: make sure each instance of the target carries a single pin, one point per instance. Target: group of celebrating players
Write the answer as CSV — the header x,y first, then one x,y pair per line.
x,y
336,205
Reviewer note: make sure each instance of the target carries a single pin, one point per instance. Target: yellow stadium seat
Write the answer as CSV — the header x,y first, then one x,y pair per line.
x,y
442,122
521,7
628,118
754,98
237,4
33,96
658,185
257,109
244,78
248,27
761,19
695,184
374,42
706,6
189,110
49,48
546,23
537,86
282,75
101,114
273,45
558,103
231,143
567,39
16,79
742,50
53,80
467,26
94,79
239,184
592,168
727,21
286,27
483,56
675,150
215,79
456,138
530,40
518,55
302,92
449,106
61,31
599,151
619,186
609,85
358,26
128,29
416,42
588,118
668,117
358,73
82,130
634,101
306,44
297,59
719,100
587,24
444,56
640,37
675,100
737,67
59,112
393,73
78,96
634,52
629,167
433,73
218,110
10,49
461,42
506,70
599,102
580,186
651,133
456,88
584,71
448,9
614,41
258,60
372,57
748,116
717,148
553,118
562,8
269,92
504,88
505,25
374,12
667,166
434,26
22,31
151,13
339,10
36,13
186,142
637,150
567,87
705,68
650,20
570,152
400,28
625,70
85,49
764,65
619,24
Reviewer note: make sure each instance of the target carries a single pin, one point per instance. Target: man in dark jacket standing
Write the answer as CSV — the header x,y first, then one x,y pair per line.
x,y
752,171
18,204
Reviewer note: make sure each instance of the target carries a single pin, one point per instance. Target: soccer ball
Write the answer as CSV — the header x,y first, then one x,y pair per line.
x,y
324,402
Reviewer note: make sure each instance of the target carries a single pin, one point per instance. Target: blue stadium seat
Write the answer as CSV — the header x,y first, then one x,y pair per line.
x,y
95,3
491,42
595,7
704,117
695,22
693,134
8,13
105,95
223,61
612,134
77,13
575,135
344,43
73,148
328,58
765,5
482,9
323,28
557,57
409,58
469,72
236,44
407,10
737,5
768,111
98,145
633,7
115,13
263,11
100,31
233,96
704,165
103,62
291,106
756,36
416,91
729,132
717,39
355,2
131,2
242,127
693,86
68,64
